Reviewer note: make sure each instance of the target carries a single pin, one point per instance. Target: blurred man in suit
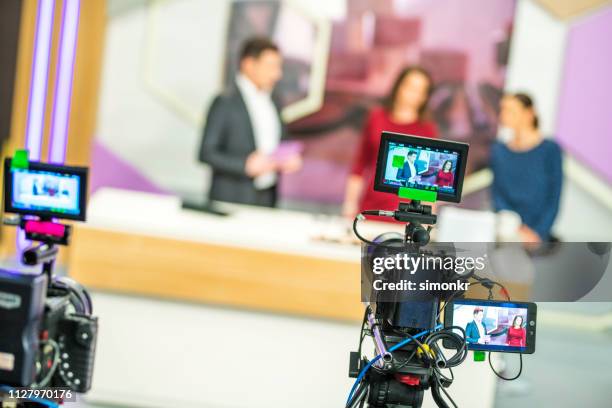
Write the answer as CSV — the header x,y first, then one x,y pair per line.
x,y
409,171
476,331
243,131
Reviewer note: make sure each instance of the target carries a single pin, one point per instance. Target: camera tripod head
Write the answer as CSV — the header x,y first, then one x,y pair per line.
x,y
415,214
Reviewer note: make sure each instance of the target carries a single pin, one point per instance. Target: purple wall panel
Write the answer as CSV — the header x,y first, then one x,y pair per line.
x,y
584,119
108,170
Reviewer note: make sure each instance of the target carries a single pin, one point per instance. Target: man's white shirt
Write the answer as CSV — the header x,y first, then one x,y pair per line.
x,y
481,331
265,123
413,171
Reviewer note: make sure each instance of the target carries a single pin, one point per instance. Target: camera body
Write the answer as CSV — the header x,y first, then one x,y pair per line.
x,y
409,308
76,336
32,314
407,286
397,317
49,332
22,306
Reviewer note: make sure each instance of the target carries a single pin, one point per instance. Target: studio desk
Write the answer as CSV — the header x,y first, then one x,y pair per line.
x,y
255,258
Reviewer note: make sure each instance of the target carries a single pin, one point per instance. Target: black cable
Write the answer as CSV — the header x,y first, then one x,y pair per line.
x,y
407,360
478,282
447,380
363,383
363,332
437,397
359,395
411,356
505,378
489,283
459,357
446,303
361,216
79,297
450,399
457,340
363,400
358,235
414,339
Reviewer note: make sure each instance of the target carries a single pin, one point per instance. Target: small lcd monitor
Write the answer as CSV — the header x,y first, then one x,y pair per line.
x,y
489,325
421,163
45,190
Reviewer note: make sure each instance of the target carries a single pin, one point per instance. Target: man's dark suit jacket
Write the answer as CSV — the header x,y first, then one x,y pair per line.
x,y
227,141
404,173
472,335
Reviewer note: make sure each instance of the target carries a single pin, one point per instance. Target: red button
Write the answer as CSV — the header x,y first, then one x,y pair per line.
x,y
408,379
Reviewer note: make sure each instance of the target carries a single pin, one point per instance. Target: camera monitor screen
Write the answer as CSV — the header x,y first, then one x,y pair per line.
x,y
494,326
45,190
421,163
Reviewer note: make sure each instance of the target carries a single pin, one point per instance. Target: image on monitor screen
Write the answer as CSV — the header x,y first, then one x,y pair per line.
x,y
35,190
495,328
425,168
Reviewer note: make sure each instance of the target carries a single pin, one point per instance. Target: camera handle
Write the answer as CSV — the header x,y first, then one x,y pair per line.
x,y
43,254
414,214
48,233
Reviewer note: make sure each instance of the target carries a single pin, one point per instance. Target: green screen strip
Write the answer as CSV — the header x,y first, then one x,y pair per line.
x,y
479,355
416,194
20,160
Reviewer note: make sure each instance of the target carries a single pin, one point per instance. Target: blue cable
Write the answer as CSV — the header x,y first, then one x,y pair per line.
x,y
47,403
365,369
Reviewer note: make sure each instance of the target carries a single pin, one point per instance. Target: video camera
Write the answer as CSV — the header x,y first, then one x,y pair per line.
x,y
407,283
48,332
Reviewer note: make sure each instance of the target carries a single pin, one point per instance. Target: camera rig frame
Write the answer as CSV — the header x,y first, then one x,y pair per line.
x,y
408,361
63,295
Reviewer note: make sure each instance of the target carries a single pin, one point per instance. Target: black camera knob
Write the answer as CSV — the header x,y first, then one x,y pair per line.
x,y
420,236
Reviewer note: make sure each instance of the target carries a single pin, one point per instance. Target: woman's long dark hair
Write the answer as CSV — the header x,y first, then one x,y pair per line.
x,y
517,317
392,98
527,102
451,165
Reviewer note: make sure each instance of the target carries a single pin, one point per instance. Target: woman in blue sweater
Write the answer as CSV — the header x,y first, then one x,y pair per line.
x,y
527,170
